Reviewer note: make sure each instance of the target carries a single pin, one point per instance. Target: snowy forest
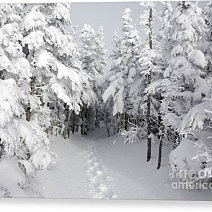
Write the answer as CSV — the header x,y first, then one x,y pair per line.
x,y
73,125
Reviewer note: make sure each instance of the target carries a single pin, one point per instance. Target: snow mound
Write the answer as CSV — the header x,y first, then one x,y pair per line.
x,y
197,58
179,160
184,162
12,179
42,158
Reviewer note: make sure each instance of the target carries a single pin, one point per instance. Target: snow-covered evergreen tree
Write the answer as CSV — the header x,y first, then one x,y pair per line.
x,y
152,65
55,57
20,138
184,78
165,27
125,59
190,102
92,55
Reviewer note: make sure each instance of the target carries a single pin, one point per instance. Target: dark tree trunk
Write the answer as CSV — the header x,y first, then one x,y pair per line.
x,y
32,85
86,121
73,122
160,134
97,118
84,125
160,153
107,123
1,149
125,121
66,123
32,92
28,113
148,115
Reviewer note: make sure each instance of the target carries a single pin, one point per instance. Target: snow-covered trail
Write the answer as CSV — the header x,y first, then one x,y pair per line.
x,y
133,177
100,184
78,172
67,179
106,168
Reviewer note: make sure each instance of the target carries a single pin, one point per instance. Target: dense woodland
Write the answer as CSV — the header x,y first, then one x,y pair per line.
x,y
55,81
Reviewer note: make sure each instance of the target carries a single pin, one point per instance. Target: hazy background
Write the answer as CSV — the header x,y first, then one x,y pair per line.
x,y
108,15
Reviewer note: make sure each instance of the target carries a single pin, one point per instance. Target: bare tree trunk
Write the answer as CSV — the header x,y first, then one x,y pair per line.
x,y
160,134
86,121
68,127
125,121
84,116
148,115
66,123
32,85
32,92
160,153
73,122
1,149
107,122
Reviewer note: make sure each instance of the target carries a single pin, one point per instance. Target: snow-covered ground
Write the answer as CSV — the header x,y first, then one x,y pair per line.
x,y
101,167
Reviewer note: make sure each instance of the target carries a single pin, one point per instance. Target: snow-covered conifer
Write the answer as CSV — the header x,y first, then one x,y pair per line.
x,y
92,55
55,57
152,65
125,58
20,138
186,85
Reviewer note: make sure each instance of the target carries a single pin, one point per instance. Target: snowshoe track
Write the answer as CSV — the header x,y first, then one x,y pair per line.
x,y
99,183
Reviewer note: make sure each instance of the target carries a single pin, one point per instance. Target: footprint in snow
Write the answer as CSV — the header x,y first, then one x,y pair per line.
x,y
99,182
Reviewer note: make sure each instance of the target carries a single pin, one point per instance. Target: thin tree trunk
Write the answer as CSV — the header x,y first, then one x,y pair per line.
x,y
160,134
28,112
160,153
97,113
84,121
32,92
1,149
148,115
32,85
125,121
73,122
66,122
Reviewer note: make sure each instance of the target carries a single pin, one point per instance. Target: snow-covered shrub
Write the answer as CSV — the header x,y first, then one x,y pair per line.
x,y
134,134
181,159
42,158
191,161
131,135
194,153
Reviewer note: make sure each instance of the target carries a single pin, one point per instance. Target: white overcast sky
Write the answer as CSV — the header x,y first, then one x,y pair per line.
x,y
107,14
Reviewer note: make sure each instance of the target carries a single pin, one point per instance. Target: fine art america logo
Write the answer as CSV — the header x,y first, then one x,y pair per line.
x,y
192,179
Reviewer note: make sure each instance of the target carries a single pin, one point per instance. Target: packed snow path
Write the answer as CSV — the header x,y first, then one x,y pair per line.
x,y
77,174
100,184
67,179
105,168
